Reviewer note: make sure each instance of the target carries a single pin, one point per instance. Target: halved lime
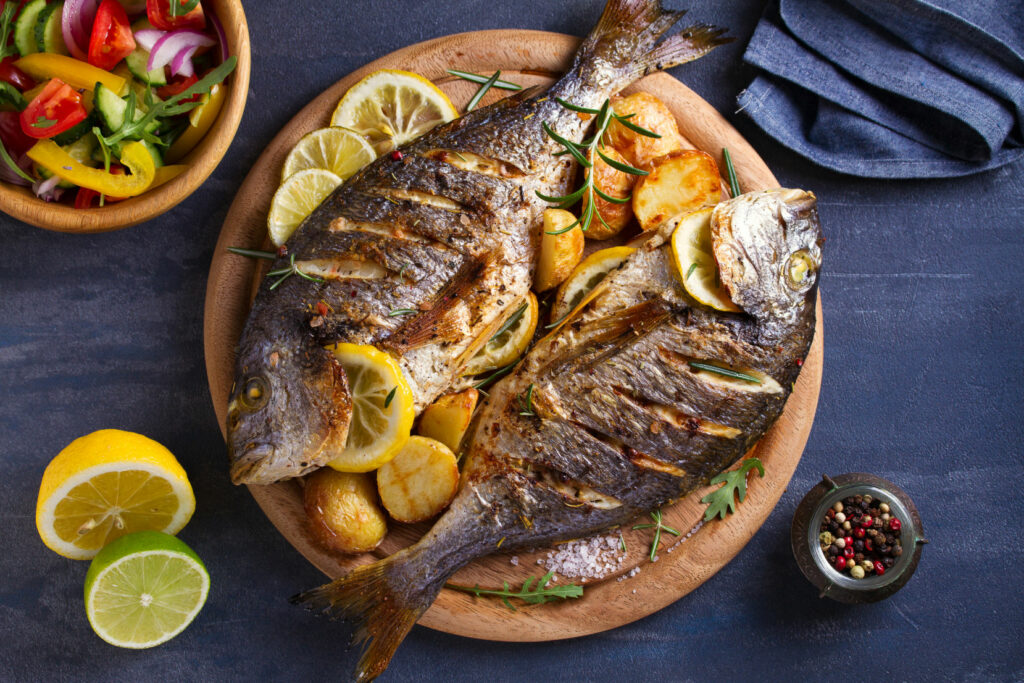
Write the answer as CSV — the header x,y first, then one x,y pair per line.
x,y
143,589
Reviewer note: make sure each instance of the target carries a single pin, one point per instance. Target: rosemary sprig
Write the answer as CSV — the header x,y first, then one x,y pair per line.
x,y
512,320
288,271
726,372
526,405
390,396
480,80
495,376
658,528
689,271
724,500
730,171
252,253
482,90
401,311
530,593
584,153
622,543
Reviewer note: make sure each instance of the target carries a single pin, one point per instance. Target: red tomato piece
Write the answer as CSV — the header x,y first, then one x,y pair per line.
x,y
111,39
54,110
15,76
85,197
159,14
176,86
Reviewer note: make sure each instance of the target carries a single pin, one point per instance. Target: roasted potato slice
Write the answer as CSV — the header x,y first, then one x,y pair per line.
x,y
343,512
559,253
650,113
447,418
679,182
420,481
613,183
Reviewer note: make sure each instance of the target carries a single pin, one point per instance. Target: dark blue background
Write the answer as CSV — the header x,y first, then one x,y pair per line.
x,y
922,385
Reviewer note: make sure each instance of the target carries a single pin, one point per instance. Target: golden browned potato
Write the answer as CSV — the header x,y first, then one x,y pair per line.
x,y
613,183
343,511
447,418
678,182
420,481
559,253
652,114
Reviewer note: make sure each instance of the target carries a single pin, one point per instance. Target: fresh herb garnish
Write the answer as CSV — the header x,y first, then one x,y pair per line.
x,y
13,166
182,7
730,171
658,528
513,319
530,594
252,253
288,271
390,396
689,271
6,19
172,106
401,311
583,153
482,90
480,80
622,543
526,404
724,500
557,322
725,372
43,122
494,376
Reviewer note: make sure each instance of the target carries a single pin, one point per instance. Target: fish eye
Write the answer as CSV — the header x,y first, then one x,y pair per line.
x,y
799,268
254,393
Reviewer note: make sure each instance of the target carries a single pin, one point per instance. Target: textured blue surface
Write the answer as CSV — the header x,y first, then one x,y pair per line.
x,y
923,385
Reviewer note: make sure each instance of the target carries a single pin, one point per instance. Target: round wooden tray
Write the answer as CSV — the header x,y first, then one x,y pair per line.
x,y
526,57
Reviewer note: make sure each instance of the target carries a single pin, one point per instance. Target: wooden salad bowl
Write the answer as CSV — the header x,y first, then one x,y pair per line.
x,y
21,203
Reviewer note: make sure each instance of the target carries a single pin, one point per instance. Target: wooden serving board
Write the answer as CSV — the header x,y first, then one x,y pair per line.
x,y
526,57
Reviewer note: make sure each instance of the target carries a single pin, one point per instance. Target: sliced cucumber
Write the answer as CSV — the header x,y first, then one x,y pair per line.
x,y
11,98
137,65
25,27
75,132
48,34
112,109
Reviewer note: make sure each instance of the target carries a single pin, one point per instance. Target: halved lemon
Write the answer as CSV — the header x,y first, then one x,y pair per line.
x,y
108,484
338,150
392,107
295,199
585,277
695,261
509,342
382,408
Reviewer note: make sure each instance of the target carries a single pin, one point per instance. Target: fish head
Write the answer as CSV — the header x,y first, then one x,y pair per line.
x,y
289,411
768,248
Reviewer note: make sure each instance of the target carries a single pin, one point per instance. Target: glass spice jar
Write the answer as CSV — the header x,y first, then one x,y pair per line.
x,y
812,559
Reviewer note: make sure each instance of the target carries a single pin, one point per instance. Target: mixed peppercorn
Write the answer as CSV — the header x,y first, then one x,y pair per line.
x,y
860,537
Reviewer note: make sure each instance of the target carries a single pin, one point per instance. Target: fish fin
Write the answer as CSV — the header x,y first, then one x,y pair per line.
x,y
627,37
377,600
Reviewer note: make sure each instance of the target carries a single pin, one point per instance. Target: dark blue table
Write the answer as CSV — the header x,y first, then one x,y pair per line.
x,y
923,385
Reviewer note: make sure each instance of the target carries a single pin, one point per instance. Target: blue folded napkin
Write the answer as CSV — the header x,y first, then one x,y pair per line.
x,y
892,88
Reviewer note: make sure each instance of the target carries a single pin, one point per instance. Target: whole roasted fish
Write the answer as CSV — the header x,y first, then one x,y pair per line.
x,y
449,227
639,398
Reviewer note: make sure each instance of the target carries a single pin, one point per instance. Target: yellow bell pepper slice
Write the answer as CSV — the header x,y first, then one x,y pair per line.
x,y
77,74
134,155
200,121
166,174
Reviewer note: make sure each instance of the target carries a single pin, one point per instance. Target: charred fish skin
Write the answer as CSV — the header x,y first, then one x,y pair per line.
x,y
448,226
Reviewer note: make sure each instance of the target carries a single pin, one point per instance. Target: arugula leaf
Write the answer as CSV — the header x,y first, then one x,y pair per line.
x,y
43,122
724,500
530,593
6,19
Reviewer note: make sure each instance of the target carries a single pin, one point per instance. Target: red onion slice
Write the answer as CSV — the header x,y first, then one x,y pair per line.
x,y
222,37
76,25
146,38
47,190
170,45
181,65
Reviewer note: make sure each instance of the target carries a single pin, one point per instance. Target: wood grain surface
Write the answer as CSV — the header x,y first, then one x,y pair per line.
x,y
526,57
21,202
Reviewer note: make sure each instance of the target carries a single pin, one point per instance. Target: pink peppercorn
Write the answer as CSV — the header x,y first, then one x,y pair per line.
x,y
895,524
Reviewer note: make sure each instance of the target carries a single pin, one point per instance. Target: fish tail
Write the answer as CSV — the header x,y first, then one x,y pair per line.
x,y
383,602
629,39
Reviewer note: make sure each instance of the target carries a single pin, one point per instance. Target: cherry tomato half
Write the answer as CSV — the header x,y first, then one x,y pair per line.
x,y
159,14
177,85
15,76
111,39
55,109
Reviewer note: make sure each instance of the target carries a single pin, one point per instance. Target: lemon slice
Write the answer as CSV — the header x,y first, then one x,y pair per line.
x,y
393,107
338,150
143,589
509,342
695,263
382,408
108,484
295,199
586,276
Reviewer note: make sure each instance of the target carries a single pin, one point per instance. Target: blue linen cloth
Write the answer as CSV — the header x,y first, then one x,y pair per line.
x,y
891,88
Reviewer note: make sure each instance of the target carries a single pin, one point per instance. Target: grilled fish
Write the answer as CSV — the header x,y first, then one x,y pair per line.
x,y
449,227
615,413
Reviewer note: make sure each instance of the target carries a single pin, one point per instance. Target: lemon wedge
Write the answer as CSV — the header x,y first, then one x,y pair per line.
x,y
391,107
695,261
585,277
382,408
108,484
509,342
338,150
297,197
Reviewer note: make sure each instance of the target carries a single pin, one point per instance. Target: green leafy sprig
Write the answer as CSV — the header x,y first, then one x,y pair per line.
x,y
526,402
482,90
724,500
730,171
512,320
288,271
480,80
530,593
725,372
182,7
583,153
494,376
658,527
6,21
